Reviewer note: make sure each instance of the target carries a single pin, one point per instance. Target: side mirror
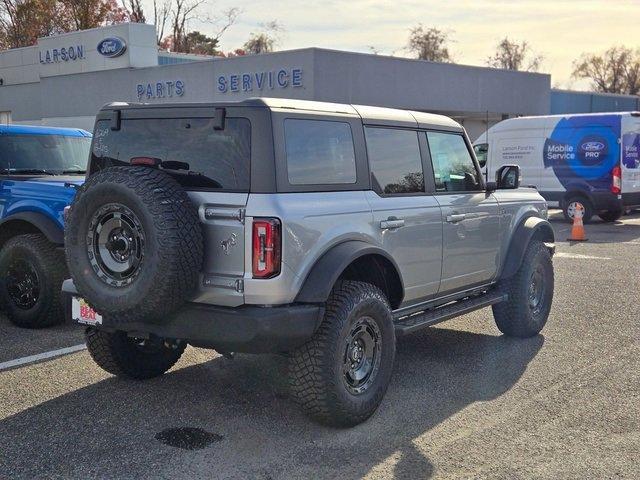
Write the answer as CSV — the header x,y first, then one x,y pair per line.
x,y
508,177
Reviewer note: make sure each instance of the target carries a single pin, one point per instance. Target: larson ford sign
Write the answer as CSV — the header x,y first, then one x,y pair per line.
x,y
109,47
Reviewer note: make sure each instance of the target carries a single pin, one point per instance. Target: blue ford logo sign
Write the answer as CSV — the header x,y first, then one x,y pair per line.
x,y
593,146
112,47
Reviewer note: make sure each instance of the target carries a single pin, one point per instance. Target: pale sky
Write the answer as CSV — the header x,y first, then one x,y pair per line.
x,y
560,30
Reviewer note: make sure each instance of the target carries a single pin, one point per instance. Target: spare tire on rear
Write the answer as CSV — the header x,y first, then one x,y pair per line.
x,y
134,244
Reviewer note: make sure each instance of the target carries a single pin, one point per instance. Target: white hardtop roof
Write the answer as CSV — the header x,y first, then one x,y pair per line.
x,y
369,114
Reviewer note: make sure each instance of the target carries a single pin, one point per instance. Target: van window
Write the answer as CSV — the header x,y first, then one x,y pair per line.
x,y
319,152
481,151
191,149
394,158
453,166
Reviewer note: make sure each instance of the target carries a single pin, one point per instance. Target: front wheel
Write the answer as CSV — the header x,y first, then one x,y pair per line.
x,y
530,294
570,207
124,356
341,375
31,275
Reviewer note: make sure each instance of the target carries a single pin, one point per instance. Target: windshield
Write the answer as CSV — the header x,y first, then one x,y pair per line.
x,y
43,154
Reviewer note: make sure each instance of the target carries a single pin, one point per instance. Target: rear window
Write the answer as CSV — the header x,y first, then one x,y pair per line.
x,y
319,152
191,150
45,154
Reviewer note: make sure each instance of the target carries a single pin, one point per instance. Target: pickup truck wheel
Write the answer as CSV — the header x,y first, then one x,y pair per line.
x,y
530,291
124,356
31,272
341,375
134,243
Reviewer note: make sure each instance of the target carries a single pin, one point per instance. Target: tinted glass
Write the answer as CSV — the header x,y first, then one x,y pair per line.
x,y
55,154
394,157
319,152
191,150
453,165
481,151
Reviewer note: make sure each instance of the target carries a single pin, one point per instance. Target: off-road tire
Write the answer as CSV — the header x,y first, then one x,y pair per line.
x,y
515,317
611,215
172,248
316,369
586,203
119,355
49,265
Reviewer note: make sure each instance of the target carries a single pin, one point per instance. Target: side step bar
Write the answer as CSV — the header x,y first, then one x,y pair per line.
x,y
411,323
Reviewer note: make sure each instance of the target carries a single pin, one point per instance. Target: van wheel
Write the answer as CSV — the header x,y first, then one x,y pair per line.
x,y
530,294
123,356
569,208
340,376
31,275
611,215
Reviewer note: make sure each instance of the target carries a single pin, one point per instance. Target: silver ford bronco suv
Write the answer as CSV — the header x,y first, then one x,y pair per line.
x,y
318,230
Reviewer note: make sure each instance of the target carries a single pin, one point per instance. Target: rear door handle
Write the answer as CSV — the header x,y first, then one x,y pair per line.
x,y
391,223
455,217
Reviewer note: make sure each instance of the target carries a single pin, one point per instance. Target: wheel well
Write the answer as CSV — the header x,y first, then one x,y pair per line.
x,y
544,234
13,228
379,271
574,193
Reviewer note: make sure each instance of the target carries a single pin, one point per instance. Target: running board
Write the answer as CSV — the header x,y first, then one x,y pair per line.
x,y
409,324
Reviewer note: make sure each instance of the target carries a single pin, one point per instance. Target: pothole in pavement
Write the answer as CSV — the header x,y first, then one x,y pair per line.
x,y
188,438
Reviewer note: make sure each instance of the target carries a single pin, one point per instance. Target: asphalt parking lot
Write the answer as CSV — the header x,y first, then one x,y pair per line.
x,y
464,401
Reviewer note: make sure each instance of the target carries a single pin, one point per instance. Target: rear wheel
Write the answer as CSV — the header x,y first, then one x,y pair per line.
x,y
124,356
570,206
530,294
341,375
611,215
31,273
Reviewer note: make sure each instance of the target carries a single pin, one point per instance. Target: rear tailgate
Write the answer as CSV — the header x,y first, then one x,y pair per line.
x,y
222,217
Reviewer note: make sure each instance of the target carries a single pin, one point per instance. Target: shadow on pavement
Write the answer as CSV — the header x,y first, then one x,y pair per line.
x,y
108,429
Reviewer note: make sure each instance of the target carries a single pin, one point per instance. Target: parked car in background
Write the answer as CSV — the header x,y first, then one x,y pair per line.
x,y
592,159
40,169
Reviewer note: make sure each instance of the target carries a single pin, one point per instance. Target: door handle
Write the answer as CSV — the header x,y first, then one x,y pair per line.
x,y
391,223
456,217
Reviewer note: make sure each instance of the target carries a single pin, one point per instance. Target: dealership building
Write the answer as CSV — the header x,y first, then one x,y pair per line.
x,y
64,79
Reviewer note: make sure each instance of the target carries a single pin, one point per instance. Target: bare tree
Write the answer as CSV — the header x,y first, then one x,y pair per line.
x,y
512,55
161,14
430,44
615,71
264,41
135,12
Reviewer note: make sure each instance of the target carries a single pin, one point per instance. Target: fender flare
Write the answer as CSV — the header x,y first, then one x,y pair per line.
x,y
328,268
529,228
47,226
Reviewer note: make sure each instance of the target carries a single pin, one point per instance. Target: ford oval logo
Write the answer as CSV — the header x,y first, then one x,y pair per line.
x,y
112,47
593,146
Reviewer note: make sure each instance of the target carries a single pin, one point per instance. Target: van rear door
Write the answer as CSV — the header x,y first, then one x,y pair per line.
x,y
631,159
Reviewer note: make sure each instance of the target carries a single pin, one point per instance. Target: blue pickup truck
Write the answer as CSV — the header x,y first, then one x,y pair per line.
x,y
40,170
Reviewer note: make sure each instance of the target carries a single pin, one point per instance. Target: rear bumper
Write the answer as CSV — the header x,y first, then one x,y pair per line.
x,y
249,329
631,199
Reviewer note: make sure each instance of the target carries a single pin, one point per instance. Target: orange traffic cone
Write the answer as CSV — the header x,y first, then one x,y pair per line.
x,y
577,230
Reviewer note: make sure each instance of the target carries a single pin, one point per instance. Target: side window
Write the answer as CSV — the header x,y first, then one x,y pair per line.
x,y
453,166
394,159
319,152
481,150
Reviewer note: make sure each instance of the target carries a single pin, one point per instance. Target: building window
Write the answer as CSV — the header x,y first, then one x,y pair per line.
x,y
394,158
319,152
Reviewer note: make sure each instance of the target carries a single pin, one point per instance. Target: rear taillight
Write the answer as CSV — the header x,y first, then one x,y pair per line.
x,y
266,247
616,184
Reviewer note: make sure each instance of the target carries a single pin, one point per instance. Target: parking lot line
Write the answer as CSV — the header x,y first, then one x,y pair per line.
x,y
579,256
18,362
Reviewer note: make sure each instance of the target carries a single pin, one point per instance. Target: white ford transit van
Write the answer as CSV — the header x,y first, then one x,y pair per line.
x,y
593,159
